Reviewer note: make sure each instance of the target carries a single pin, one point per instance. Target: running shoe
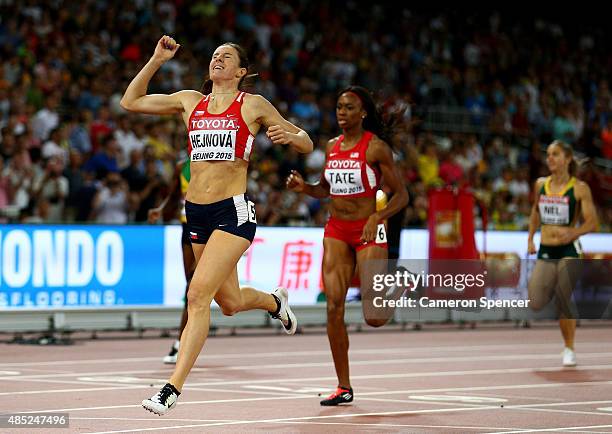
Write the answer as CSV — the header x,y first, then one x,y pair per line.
x,y
163,401
284,313
569,357
342,395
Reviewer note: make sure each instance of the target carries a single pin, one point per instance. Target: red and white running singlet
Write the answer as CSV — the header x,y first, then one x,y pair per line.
x,y
219,137
348,172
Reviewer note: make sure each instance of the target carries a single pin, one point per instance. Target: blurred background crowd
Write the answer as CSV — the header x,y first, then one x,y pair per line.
x,y
480,96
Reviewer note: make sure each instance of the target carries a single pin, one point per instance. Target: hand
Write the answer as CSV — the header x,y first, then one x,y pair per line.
x,y
566,235
295,182
531,248
369,230
166,48
278,135
154,215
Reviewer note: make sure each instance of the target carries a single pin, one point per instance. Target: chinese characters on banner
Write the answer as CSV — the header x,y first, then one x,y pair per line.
x,y
281,257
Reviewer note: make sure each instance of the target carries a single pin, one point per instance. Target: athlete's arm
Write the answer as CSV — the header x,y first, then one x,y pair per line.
x,y
534,217
589,213
135,98
320,190
280,131
296,183
381,154
384,157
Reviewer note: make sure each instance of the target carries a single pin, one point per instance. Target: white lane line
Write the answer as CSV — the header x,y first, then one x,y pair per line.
x,y
141,386
92,389
474,372
550,410
127,419
560,428
520,406
526,398
559,404
214,401
105,375
81,383
375,351
195,387
148,419
508,407
483,428
292,419
419,401
326,364
493,387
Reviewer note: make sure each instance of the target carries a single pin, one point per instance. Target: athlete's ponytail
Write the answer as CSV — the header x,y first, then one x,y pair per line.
x,y
573,167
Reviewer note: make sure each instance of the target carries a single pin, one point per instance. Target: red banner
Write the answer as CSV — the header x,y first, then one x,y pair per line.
x,y
451,236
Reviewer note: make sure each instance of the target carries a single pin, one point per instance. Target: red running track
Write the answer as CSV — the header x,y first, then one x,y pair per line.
x,y
439,379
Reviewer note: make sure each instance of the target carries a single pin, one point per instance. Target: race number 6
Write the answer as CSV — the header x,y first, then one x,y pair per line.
x,y
381,234
252,216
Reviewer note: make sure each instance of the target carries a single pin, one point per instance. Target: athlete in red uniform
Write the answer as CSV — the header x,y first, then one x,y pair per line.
x,y
220,217
355,232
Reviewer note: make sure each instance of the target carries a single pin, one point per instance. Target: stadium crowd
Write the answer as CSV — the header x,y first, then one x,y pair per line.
x,y
69,153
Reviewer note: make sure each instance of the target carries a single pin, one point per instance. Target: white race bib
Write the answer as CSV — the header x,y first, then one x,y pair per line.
x,y
344,177
554,210
381,234
216,145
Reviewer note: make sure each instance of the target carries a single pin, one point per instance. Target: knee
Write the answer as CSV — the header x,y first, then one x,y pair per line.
x,y
375,322
197,301
230,308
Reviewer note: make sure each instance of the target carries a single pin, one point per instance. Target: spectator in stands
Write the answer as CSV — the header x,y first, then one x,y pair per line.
x,y
105,160
429,164
61,68
74,174
110,205
46,119
451,172
51,189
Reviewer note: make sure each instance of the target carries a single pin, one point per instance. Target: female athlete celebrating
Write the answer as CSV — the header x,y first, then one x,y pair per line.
x,y
221,218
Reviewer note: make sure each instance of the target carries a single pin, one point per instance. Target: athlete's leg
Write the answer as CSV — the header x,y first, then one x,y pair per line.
x,y
189,264
217,260
370,261
232,298
568,270
189,267
338,270
542,283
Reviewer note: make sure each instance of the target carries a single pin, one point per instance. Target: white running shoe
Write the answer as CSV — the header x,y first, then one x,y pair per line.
x,y
284,315
163,401
569,357
170,359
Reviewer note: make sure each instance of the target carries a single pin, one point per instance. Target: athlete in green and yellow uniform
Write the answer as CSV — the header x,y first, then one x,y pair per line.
x,y
180,181
561,202
561,209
